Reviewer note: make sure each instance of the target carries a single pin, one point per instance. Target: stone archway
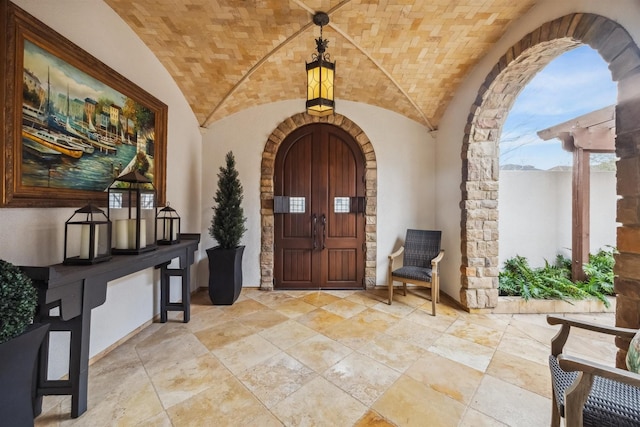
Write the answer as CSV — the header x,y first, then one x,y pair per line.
x,y
266,191
480,168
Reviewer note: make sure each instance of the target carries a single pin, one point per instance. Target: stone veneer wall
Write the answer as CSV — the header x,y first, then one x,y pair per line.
x,y
480,168
266,191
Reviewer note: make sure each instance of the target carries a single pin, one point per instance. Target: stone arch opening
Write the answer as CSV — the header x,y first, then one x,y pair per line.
x,y
480,168
267,192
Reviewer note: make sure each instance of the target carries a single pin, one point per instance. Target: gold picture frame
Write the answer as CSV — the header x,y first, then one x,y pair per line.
x,y
70,124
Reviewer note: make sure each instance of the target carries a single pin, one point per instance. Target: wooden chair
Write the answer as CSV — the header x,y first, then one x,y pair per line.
x,y
588,393
421,254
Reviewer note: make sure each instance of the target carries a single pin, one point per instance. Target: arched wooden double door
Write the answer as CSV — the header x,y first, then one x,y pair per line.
x,y
319,221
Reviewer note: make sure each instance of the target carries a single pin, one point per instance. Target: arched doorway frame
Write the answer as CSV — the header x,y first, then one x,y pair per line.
x,y
267,184
480,167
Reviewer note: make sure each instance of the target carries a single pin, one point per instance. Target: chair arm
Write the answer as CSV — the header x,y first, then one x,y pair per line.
x,y
570,363
558,341
392,259
396,254
436,260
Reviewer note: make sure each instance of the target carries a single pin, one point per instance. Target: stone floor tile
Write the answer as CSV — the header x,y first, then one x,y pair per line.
x,y
225,333
226,402
320,299
287,334
468,329
446,376
411,403
392,352
319,352
521,372
262,319
276,378
319,403
505,402
345,308
320,320
473,418
245,353
414,333
185,378
368,299
463,351
361,377
302,408
294,307
373,419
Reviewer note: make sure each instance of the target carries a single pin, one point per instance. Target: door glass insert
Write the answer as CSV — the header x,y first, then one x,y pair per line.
x,y
296,205
341,204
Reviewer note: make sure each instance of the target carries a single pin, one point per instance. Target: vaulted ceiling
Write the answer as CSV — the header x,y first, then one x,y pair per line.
x,y
408,56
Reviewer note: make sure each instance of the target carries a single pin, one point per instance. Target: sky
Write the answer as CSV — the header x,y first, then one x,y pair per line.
x,y
573,84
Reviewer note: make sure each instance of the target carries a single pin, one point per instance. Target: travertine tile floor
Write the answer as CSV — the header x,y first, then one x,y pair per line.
x,y
332,358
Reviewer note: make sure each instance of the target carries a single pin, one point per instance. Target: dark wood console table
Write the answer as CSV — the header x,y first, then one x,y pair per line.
x,y
75,290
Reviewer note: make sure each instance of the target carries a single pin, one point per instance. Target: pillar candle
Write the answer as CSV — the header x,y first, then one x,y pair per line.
x,y
122,234
85,242
143,233
170,231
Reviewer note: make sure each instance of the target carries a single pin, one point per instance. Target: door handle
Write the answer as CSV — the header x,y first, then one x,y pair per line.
x,y
314,220
323,219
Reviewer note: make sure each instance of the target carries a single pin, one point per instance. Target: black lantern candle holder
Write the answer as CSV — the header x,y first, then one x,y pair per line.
x,y
168,226
87,237
132,208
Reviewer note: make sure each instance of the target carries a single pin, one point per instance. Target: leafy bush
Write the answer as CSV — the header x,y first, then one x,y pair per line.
x,y
554,281
18,301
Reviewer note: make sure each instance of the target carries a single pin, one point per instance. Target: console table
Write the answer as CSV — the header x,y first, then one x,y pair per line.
x,y
75,290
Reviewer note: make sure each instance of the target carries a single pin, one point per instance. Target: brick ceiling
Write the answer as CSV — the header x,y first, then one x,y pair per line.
x,y
408,56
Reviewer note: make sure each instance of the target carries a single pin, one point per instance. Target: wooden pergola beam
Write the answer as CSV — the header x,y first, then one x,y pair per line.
x,y
590,133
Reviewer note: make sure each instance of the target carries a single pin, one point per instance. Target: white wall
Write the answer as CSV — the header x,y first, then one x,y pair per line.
x,y
405,159
451,128
36,236
535,214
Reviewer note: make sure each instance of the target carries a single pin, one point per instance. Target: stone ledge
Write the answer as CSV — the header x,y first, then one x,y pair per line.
x,y
512,305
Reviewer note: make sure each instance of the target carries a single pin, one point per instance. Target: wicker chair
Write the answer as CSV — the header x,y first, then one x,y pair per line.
x,y
421,255
588,393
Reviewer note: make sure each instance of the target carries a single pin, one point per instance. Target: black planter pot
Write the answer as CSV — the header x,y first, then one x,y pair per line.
x,y
17,382
225,274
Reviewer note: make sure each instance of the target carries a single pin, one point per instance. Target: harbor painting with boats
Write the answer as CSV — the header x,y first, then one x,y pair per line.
x,y
77,132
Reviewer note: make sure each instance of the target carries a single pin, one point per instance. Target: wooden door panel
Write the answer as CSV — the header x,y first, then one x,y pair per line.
x,y
298,264
341,266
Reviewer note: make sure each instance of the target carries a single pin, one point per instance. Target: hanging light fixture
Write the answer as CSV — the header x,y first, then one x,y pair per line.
x,y
320,75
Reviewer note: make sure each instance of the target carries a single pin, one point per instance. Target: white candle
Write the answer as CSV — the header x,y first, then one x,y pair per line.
x,y
174,229
143,233
85,242
131,233
122,234
170,231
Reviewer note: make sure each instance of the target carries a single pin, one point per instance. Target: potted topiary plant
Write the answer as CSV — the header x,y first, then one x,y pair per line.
x,y
20,341
227,227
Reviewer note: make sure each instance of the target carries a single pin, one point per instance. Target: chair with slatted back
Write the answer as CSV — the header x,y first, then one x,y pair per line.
x,y
421,255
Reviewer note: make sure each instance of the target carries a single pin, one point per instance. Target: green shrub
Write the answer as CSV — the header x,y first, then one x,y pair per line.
x,y
554,281
18,301
227,224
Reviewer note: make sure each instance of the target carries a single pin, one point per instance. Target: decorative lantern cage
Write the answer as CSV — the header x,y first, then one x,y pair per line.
x,y
320,75
168,226
132,208
87,237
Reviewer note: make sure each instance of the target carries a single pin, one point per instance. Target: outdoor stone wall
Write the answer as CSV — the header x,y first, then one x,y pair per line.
x,y
267,192
480,168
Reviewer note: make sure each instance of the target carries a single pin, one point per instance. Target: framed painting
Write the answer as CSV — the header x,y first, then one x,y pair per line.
x,y
70,123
